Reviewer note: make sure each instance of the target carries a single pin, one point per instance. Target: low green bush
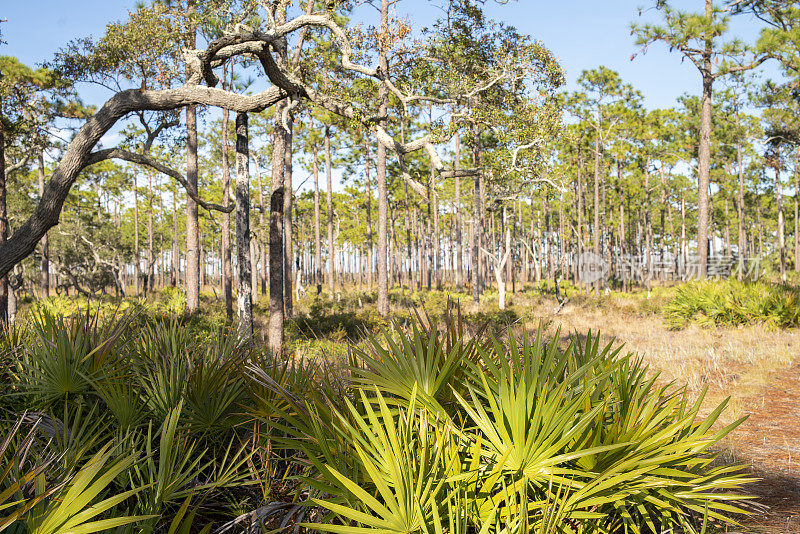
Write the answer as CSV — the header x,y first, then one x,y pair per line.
x,y
731,302
143,424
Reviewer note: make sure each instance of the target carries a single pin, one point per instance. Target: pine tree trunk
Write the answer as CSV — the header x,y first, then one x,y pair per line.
x,y
262,232
329,203
596,226
192,215
459,266
477,229
4,288
370,264
137,274
225,252
276,317
244,288
742,245
781,224
288,241
150,280
796,218
383,193
176,259
704,153
317,231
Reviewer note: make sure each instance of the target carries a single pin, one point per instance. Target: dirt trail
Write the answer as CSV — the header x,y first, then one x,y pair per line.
x,y
770,441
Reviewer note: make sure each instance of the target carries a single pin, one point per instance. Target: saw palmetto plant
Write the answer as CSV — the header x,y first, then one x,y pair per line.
x,y
433,428
539,439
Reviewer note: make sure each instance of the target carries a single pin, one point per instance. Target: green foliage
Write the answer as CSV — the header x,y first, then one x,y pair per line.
x,y
169,401
733,303
539,440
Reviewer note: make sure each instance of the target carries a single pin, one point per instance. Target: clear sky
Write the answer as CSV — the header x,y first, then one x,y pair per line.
x,y
582,33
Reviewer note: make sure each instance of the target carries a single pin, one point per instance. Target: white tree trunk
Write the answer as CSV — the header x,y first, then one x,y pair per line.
x,y
244,295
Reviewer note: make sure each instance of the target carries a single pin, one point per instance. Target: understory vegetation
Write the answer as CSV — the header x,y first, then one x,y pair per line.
x,y
733,303
144,423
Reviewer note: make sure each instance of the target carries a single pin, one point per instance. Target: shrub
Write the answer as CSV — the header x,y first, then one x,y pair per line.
x,y
537,440
732,302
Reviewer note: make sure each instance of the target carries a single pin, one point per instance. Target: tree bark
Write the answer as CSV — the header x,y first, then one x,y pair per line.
x,y
383,193
476,217
329,205
781,224
244,293
288,241
150,274
596,225
276,285
796,217
704,152
137,260
459,223
176,259
317,229
227,275
192,215
3,223
370,260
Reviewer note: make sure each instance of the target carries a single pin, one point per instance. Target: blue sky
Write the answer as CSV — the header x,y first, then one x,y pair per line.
x,y
582,33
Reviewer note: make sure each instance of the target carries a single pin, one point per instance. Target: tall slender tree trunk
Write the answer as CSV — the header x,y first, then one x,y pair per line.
x,y
596,226
150,281
4,287
796,216
244,289
276,286
262,232
704,151
329,205
383,193
225,253
459,266
192,215
288,241
44,285
317,231
176,255
370,261
580,222
137,273
781,223
477,232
